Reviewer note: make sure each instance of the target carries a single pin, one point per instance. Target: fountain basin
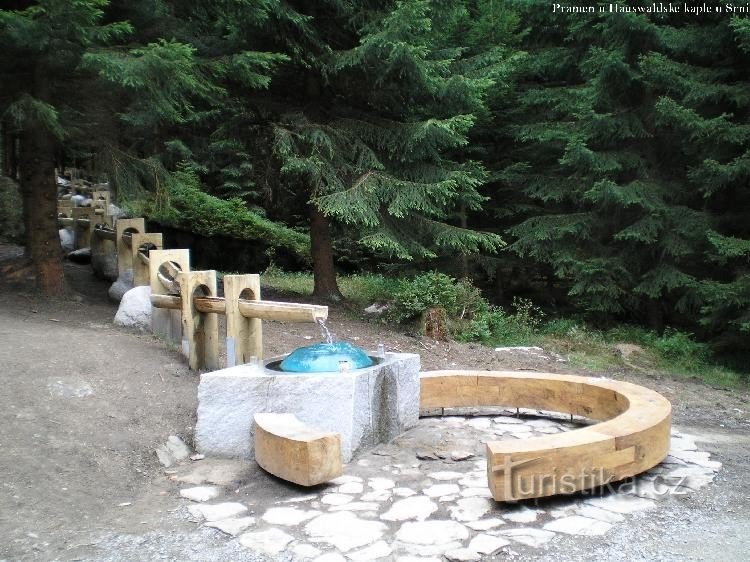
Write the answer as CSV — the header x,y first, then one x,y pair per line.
x,y
365,406
326,357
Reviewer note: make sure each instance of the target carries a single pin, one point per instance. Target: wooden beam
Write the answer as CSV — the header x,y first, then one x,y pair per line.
x,y
633,434
289,449
282,311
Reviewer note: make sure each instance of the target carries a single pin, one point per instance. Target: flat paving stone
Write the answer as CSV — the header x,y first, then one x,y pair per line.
x,y
232,526
344,530
441,490
462,555
270,541
523,515
415,507
485,524
445,475
432,532
381,483
487,544
288,516
217,511
336,499
351,488
306,551
529,536
375,551
404,492
356,506
201,493
470,509
621,503
598,513
476,492
578,525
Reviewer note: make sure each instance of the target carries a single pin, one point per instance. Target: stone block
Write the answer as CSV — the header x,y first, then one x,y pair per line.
x,y
365,406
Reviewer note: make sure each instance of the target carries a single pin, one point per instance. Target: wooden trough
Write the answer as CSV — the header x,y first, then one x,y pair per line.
x,y
633,434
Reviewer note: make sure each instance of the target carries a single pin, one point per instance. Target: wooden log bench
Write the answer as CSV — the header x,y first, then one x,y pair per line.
x,y
289,449
633,433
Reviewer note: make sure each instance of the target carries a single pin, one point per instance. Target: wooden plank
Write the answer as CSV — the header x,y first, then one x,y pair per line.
x,y
633,434
141,275
244,333
291,450
167,324
124,254
200,331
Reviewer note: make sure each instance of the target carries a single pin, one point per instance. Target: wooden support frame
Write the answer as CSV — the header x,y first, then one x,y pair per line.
x,y
83,223
633,434
124,255
166,324
244,335
200,330
140,268
289,449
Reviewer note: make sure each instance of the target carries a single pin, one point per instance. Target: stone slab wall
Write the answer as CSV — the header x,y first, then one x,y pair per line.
x,y
366,406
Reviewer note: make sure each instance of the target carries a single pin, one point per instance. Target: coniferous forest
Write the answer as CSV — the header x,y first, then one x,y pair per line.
x,y
596,164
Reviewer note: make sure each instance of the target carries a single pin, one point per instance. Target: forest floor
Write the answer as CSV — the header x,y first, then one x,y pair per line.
x,y
83,405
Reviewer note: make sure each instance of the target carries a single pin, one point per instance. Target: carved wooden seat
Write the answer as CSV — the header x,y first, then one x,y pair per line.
x,y
632,435
289,449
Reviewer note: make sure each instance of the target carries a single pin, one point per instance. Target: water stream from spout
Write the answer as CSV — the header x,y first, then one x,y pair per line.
x,y
324,331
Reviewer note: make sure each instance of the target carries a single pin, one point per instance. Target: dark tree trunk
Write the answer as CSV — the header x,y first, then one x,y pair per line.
x,y
10,157
324,273
37,171
655,315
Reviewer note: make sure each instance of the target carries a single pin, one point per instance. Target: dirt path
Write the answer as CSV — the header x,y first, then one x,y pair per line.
x,y
83,405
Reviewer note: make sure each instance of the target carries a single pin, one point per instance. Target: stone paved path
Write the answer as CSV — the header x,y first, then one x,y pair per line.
x,y
424,497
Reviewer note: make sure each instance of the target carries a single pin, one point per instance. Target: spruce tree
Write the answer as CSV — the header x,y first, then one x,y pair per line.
x,y
373,132
620,119
41,48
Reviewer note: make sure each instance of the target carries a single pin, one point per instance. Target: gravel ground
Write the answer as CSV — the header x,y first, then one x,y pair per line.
x,y
83,406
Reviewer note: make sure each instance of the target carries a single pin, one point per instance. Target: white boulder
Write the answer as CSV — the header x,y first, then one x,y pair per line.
x,y
135,309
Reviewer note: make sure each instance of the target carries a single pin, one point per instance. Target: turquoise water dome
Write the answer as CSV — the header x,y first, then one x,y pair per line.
x,y
325,357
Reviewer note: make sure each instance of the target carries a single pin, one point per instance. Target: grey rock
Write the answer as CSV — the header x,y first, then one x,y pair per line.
x,y
123,284
135,309
82,255
67,240
104,258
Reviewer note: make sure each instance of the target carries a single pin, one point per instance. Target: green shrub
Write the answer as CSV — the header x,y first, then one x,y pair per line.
x,y
676,346
415,296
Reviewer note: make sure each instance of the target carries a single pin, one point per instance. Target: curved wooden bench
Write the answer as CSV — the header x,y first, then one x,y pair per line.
x,y
289,449
633,434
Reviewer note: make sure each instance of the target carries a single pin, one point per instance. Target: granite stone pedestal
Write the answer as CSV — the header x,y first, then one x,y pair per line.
x,y
365,406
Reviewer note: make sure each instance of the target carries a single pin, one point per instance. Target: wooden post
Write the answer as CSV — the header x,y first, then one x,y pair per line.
x,y
140,269
64,207
166,323
244,335
83,229
124,255
200,330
